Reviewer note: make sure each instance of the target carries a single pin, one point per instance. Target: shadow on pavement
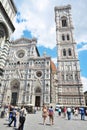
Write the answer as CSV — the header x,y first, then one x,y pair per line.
x,y
48,124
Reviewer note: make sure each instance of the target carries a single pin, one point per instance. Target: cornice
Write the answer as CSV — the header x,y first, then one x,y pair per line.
x,y
12,2
24,39
62,7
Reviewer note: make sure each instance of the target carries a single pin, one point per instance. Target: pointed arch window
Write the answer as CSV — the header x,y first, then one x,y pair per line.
x,y
67,77
64,22
69,52
76,76
63,37
62,77
70,77
68,38
64,52
28,87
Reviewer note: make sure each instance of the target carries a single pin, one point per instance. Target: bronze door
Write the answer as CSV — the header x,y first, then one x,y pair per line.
x,y
14,98
37,101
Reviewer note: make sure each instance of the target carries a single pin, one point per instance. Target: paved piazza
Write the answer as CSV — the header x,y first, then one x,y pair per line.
x,y
35,122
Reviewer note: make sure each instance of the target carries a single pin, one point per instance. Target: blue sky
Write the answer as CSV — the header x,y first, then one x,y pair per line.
x,y
36,18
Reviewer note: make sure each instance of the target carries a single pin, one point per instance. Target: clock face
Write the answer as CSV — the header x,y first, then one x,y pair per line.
x,y
21,53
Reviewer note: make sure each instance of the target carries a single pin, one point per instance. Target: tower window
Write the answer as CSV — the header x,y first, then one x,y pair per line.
x,y
67,77
68,38
62,77
69,51
28,85
64,52
70,77
64,23
76,76
63,37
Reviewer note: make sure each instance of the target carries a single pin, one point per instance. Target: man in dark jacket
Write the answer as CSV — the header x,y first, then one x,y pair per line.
x,y
82,111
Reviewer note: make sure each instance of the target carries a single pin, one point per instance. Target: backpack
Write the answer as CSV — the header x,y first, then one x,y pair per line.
x,y
50,112
22,113
14,113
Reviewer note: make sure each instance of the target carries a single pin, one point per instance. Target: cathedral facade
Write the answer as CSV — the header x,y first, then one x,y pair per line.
x,y
27,76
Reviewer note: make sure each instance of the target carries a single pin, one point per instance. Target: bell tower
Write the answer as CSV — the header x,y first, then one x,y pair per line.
x,y
70,89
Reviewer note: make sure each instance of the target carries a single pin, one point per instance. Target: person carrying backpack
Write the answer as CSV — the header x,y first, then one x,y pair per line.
x,y
51,115
13,118
69,113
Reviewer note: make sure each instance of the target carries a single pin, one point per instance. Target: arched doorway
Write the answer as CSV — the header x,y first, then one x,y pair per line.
x,y
15,85
38,97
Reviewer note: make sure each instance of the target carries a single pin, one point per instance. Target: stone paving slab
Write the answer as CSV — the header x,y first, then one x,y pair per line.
x,y
35,122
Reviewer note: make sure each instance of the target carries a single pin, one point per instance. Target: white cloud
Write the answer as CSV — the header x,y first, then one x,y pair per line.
x,y
40,6
83,48
39,22
84,81
19,30
40,18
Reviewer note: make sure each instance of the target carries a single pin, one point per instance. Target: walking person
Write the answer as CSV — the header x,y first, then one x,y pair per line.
x,y
44,114
82,111
64,112
14,113
76,112
22,118
59,111
69,113
51,115
10,109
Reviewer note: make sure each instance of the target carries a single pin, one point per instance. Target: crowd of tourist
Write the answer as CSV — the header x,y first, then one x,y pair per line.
x,y
14,114
66,112
75,111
